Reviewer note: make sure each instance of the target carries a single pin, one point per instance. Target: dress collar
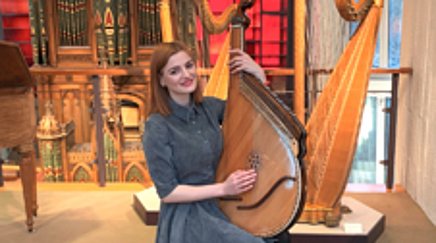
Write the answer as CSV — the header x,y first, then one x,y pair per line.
x,y
186,113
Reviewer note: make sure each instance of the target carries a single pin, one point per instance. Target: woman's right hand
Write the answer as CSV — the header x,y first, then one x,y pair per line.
x,y
239,181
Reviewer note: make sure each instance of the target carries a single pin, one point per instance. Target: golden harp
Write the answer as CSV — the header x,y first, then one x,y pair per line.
x,y
333,125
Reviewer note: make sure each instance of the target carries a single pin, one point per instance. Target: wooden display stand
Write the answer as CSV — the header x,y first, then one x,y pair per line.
x,y
147,204
17,123
362,225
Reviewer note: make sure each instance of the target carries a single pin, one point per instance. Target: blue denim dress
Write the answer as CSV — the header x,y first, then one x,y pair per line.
x,y
185,148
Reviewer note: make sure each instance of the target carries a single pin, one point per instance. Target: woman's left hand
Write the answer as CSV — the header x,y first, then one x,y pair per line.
x,y
241,61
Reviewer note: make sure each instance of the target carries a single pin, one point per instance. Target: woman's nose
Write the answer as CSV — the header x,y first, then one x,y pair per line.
x,y
186,72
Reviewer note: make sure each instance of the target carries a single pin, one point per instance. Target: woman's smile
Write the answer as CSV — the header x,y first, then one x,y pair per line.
x,y
188,82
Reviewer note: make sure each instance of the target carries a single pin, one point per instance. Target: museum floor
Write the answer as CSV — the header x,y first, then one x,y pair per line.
x,y
88,213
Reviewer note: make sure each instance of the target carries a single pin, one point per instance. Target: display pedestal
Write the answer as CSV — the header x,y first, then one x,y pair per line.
x,y
362,225
147,203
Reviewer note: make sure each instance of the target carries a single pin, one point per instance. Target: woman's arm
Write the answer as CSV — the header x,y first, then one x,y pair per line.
x,y
238,182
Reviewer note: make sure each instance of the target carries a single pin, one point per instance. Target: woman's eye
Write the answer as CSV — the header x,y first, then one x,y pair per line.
x,y
189,65
173,71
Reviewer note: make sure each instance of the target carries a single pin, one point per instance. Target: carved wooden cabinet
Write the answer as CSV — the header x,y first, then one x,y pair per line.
x,y
73,40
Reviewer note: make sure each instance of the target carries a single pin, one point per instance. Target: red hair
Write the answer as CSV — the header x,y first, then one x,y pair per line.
x,y
160,97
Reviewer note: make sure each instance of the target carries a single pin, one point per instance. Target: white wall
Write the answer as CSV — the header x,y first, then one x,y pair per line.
x,y
415,156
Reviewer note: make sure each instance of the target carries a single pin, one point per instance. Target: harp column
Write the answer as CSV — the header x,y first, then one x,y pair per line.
x,y
299,58
165,19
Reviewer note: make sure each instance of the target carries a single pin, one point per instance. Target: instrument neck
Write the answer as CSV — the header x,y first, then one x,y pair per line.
x,y
236,42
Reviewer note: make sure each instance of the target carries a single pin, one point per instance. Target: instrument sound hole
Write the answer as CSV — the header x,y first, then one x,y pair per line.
x,y
254,160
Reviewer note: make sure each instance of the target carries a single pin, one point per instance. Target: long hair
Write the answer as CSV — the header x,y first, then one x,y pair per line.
x,y
160,96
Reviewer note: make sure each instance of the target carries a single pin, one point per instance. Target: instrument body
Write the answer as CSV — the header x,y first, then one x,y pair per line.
x,y
261,133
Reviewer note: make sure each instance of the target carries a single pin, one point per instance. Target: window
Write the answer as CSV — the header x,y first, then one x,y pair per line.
x,y
266,37
374,132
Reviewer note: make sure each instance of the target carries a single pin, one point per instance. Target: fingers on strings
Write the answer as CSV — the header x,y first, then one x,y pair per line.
x,y
245,180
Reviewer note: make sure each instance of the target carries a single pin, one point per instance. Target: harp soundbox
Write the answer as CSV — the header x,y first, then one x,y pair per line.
x,y
260,132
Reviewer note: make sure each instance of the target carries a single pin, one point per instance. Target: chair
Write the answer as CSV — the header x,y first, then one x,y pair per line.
x,y
17,120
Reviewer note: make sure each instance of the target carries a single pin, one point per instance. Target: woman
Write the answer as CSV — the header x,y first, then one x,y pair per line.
x,y
183,143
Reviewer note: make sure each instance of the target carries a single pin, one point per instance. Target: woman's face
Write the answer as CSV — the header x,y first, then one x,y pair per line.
x,y
179,77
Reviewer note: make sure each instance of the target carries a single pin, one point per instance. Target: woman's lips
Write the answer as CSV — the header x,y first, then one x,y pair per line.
x,y
187,82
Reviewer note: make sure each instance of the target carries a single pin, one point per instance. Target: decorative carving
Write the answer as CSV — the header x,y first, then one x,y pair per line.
x,y
75,58
353,10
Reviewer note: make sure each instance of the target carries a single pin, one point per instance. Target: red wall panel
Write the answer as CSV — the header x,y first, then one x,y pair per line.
x,y
16,25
